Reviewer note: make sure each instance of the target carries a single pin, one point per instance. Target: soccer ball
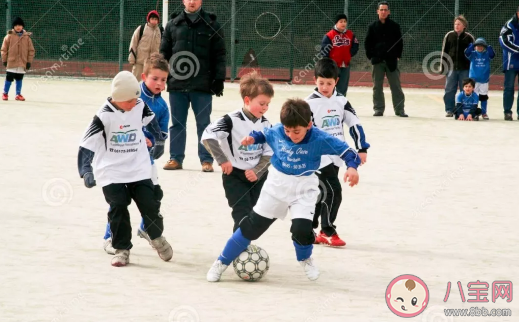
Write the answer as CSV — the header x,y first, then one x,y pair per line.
x,y
252,264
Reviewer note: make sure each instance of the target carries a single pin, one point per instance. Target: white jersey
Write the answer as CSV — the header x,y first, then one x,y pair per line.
x,y
119,145
329,114
230,130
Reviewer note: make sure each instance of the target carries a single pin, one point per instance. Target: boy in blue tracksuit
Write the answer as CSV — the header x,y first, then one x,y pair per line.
x,y
467,103
154,76
480,54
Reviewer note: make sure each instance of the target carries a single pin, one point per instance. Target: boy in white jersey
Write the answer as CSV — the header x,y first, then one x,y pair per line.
x,y
330,110
244,167
115,145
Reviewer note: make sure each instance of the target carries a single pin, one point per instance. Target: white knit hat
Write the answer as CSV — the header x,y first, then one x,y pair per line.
x,y
125,87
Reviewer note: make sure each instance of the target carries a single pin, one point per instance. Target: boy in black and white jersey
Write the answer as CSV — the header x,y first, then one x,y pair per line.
x,y
244,167
330,111
114,152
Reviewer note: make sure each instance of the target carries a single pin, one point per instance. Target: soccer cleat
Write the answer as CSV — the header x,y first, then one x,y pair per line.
x,y
19,97
109,249
312,272
485,116
142,234
163,248
319,238
5,97
336,241
121,258
216,271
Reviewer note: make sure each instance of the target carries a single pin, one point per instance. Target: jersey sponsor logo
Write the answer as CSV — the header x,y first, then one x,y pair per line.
x,y
123,126
252,147
124,137
329,111
332,120
339,41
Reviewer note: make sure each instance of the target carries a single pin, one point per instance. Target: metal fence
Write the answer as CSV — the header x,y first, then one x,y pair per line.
x,y
281,38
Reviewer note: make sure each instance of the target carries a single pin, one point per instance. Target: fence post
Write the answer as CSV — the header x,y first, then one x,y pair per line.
x,y
233,40
457,8
346,2
121,34
165,12
8,15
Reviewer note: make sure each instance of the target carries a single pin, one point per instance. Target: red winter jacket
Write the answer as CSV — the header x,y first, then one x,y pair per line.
x,y
340,46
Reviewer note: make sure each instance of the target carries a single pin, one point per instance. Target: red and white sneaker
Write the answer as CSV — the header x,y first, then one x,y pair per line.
x,y
5,97
333,241
19,97
320,238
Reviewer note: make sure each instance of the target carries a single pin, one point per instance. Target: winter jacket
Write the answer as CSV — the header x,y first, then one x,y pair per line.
x,y
17,51
479,63
158,106
148,44
384,43
454,46
509,41
195,51
340,46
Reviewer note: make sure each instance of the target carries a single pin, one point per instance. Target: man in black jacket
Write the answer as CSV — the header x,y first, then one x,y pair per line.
x,y
193,43
454,62
384,47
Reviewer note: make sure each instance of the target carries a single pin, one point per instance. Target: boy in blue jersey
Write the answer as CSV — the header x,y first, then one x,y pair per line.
x,y
467,103
291,185
480,54
154,78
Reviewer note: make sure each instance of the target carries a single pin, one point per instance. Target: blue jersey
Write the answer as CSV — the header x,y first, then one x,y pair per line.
x,y
467,104
303,158
158,106
479,63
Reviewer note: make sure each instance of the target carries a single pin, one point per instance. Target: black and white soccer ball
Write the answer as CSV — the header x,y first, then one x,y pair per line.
x,y
252,264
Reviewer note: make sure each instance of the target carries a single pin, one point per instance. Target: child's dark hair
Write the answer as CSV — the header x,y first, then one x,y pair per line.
x,y
296,112
469,81
155,61
326,68
253,85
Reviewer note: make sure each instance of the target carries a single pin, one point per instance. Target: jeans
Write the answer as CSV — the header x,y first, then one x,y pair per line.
x,y
508,92
202,107
453,81
379,104
344,79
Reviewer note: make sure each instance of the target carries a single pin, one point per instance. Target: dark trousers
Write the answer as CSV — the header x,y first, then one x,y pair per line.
x,y
453,82
119,196
202,107
329,200
508,92
379,104
241,194
344,79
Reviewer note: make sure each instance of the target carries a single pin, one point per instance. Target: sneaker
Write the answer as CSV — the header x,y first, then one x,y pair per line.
x,y
5,97
336,241
402,114
312,272
207,167
378,114
172,165
449,114
216,271
19,97
319,238
121,258
508,117
163,248
109,249
485,116
142,234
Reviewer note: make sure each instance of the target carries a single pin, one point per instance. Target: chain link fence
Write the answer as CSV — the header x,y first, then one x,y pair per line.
x,y
281,38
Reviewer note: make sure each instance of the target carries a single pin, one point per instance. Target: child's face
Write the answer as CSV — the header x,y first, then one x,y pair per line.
x,y
468,89
126,106
18,28
153,21
458,26
155,80
258,106
480,48
341,25
297,134
325,86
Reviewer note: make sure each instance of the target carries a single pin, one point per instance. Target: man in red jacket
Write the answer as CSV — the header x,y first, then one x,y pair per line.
x,y
340,45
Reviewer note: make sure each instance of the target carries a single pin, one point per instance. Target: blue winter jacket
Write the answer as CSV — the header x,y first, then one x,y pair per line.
x,y
158,106
509,41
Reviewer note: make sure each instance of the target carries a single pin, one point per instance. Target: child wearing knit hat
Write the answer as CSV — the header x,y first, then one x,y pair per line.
x,y
113,154
17,56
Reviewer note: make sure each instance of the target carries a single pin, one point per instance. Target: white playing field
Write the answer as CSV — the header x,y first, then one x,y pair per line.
x,y
436,199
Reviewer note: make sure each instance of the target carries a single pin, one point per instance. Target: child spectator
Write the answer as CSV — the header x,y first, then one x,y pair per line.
x,y
145,41
467,103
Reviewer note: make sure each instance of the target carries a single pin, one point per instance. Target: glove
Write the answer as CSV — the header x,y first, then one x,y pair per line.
x,y
158,150
28,66
89,180
5,64
217,87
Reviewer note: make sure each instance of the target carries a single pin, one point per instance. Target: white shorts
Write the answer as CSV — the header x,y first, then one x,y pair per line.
x,y
481,88
154,174
282,192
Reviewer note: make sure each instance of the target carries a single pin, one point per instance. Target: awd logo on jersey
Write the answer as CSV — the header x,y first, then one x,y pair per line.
x,y
123,137
332,120
252,147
